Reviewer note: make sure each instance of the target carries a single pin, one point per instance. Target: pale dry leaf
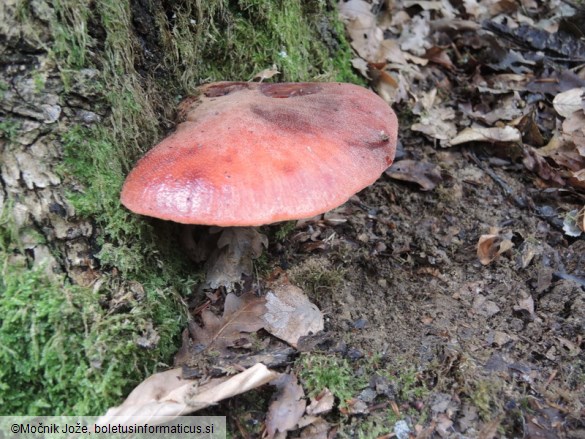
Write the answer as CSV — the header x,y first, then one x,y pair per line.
x,y
574,122
425,102
322,403
426,175
290,315
390,51
476,8
361,25
242,315
416,59
414,36
317,430
489,247
288,406
482,306
166,394
236,248
361,65
387,87
567,102
266,73
571,226
438,123
479,134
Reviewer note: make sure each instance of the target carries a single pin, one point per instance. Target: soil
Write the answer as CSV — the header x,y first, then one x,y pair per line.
x,y
414,286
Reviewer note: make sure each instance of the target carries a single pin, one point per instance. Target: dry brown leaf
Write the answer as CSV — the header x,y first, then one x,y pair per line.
x,y
361,65
236,248
426,175
390,51
439,56
479,134
167,394
489,247
437,123
322,403
538,164
318,429
287,407
242,315
385,85
489,430
289,313
577,179
266,74
361,25
530,132
415,33
567,102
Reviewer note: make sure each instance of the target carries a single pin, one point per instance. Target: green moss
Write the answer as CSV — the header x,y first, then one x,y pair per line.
x,y
69,27
61,351
318,371
284,229
318,277
9,128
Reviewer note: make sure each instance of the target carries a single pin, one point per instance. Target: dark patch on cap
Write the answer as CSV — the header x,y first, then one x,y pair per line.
x,y
379,140
225,88
289,89
284,119
288,168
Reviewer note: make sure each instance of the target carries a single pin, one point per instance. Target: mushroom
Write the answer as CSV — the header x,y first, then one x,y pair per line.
x,y
249,154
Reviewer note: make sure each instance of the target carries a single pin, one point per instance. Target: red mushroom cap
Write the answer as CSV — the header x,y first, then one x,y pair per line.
x,y
248,154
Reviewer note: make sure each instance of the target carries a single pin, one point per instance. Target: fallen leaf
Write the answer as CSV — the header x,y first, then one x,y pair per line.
x,y
414,35
361,25
241,316
437,123
289,313
489,430
236,248
566,103
489,247
361,65
439,56
167,394
287,407
479,134
322,403
536,163
577,179
572,224
318,429
266,73
426,175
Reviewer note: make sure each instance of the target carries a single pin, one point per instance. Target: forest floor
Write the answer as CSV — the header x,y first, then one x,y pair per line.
x,y
452,289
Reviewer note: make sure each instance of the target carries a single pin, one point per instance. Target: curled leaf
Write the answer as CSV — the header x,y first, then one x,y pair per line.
x,y
478,134
568,102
